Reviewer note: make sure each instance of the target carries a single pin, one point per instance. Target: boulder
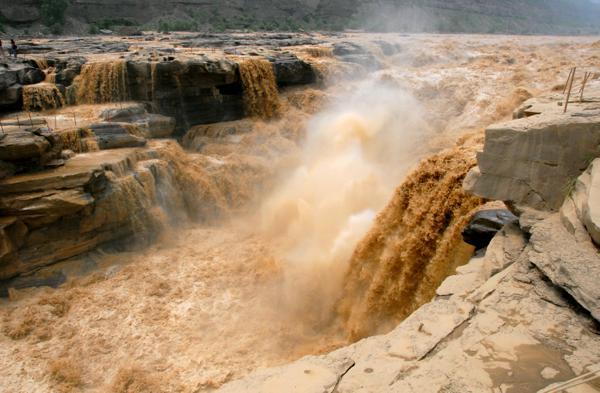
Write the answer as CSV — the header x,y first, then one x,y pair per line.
x,y
116,135
150,125
155,126
503,250
8,77
353,53
33,76
29,148
570,263
11,97
290,70
527,162
124,113
485,224
586,198
21,145
199,135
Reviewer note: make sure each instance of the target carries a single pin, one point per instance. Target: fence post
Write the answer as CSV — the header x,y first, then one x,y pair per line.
x,y
568,80
569,90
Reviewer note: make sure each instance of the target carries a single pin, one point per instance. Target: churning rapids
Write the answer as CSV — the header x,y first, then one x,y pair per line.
x,y
339,213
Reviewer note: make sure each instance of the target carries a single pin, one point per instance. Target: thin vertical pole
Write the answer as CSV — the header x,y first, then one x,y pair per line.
x,y
585,79
569,90
568,80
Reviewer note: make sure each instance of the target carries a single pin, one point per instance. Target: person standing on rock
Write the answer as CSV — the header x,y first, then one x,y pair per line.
x,y
2,51
13,48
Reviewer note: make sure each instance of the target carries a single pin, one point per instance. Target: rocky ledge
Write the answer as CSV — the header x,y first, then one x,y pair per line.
x,y
94,198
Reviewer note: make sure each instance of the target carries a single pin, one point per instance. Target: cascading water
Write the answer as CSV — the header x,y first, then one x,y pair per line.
x,y
209,303
261,98
102,82
42,96
413,246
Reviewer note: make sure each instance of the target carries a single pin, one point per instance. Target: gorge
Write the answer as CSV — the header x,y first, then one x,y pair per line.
x,y
283,212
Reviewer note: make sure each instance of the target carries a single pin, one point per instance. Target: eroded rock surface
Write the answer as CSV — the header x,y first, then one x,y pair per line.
x,y
95,198
531,161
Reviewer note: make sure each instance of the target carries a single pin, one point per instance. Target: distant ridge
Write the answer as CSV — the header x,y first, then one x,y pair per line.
x,y
443,16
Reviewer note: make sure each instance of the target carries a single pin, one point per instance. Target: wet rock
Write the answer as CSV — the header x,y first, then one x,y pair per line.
x,y
45,207
21,145
348,48
485,224
32,76
527,161
150,125
388,48
67,70
94,198
289,70
197,136
7,169
193,92
8,77
11,97
353,53
116,135
124,113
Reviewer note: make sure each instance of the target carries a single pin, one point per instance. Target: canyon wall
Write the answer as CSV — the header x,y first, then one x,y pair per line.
x,y
556,16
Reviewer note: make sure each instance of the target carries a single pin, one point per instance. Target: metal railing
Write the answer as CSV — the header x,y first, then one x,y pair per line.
x,y
30,121
568,88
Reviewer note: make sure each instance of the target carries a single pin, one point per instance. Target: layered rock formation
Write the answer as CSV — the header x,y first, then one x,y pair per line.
x,y
193,90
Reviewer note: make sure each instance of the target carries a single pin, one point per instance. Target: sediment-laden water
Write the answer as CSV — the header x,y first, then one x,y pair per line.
x,y
332,217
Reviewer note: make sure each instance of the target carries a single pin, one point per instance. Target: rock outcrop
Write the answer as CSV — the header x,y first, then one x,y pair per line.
x,y
93,199
190,89
586,199
29,148
484,225
13,76
532,161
